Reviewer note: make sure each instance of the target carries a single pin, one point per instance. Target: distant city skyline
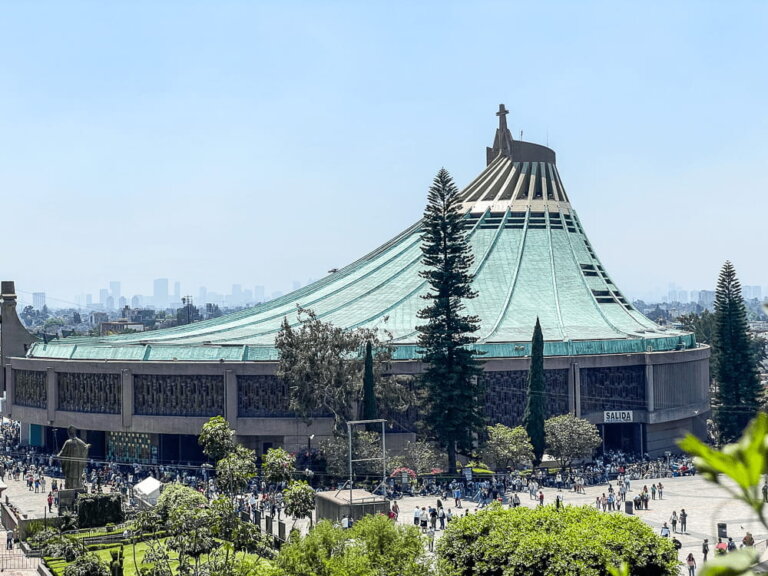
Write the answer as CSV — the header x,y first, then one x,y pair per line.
x,y
255,143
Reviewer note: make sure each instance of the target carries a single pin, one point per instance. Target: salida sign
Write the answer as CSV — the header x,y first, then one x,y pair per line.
x,y
617,416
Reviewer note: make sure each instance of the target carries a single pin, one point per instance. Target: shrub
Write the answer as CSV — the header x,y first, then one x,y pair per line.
x,y
62,547
549,541
98,510
88,565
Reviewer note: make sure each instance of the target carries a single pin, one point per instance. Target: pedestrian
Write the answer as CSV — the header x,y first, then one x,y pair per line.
x,y
431,539
705,549
423,519
683,521
515,501
9,539
50,502
396,510
541,498
748,540
416,516
441,517
731,545
691,561
661,491
457,496
765,491
664,531
653,491
673,521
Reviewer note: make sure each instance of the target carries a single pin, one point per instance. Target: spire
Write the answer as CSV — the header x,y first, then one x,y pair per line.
x,y
502,143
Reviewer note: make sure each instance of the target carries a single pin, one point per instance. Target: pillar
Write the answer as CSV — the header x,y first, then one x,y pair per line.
x,y
126,404
10,391
51,385
649,398
230,398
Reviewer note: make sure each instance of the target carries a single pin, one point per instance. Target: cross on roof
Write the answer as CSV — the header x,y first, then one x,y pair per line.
x,y
502,111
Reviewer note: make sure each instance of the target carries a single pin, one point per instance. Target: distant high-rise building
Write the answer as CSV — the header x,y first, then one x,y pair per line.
x,y
114,290
177,292
110,303
103,295
202,294
707,299
122,302
89,300
695,296
752,292
136,301
38,300
160,292
237,294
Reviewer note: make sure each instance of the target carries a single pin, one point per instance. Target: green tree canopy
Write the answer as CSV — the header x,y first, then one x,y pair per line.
x,y
547,541
508,446
278,465
535,412
217,439
299,500
178,496
420,456
374,546
737,394
451,379
323,366
570,438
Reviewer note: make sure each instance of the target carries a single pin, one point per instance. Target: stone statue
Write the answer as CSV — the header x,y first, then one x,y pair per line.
x,y
73,456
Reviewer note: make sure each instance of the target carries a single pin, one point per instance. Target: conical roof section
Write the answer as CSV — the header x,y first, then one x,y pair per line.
x,y
532,259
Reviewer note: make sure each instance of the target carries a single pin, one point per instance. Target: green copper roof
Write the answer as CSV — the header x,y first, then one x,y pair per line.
x,y
532,259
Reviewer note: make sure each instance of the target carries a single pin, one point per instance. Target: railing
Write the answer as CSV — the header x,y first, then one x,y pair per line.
x,y
11,560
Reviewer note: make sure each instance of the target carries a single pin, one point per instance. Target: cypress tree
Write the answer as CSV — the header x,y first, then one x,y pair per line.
x,y
370,410
533,418
737,382
451,380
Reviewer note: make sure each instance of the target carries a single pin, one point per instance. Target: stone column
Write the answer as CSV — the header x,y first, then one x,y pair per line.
x,y
52,389
230,398
576,372
649,398
10,391
126,404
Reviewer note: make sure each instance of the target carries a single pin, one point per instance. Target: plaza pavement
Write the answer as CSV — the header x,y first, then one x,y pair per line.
x,y
706,505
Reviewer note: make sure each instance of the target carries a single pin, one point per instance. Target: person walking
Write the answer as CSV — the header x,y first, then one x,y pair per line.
x,y
660,487
673,521
416,516
9,539
765,491
664,531
653,491
691,562
683,521
705,549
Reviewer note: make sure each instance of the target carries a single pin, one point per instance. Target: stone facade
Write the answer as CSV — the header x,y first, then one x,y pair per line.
x,y
83,392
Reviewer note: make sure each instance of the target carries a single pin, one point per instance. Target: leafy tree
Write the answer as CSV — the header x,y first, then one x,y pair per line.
x,y
322,365
370,411
191,536
508,446
702,325
87,565
278,465
737,382
420,456
176,496
235,469
570,438
374,546
547,541
454,392
217,438
299,500
335,451
533,417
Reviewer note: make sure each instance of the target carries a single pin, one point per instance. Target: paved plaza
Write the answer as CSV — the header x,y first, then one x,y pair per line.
x,y
706,504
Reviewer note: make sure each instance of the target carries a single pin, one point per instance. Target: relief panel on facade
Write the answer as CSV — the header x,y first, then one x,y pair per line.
x,y
505,395
262,396
84,392
612,388
30,388
167,395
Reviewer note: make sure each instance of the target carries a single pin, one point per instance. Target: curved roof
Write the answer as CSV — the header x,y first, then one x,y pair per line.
x,y
532,259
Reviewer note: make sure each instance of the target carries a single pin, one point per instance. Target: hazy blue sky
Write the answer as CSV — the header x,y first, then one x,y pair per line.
x,y
262,142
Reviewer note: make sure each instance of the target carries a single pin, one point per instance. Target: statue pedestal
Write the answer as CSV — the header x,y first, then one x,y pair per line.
x,y
67,498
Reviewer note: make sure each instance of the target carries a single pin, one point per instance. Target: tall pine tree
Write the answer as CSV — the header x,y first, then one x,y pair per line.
x,y
737,383
533,418
451,379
